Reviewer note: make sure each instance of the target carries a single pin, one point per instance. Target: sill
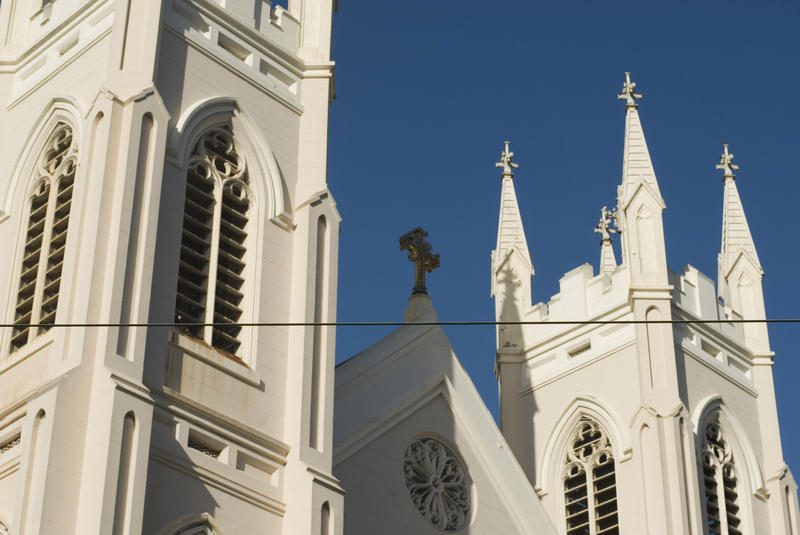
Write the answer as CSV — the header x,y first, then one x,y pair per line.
x,y
221,360
31,348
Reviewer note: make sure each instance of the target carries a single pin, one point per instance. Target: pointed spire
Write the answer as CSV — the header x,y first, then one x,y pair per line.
x,y
736,237
637,168
510,233
607,261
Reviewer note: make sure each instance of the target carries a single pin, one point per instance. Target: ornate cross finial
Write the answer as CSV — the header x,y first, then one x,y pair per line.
x,y
627,92
506,163
419,252
726,163
607,217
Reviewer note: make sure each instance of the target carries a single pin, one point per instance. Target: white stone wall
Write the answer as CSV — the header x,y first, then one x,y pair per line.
x,y
91,402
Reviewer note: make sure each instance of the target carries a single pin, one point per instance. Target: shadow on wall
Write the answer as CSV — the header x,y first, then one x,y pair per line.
x,y
512,338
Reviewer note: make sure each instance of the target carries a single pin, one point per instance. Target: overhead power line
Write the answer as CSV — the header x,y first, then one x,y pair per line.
x,y
393,323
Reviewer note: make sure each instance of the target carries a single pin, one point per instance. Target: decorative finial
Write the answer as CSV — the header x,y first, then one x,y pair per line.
x,y
726,163
627,92
419,252
607,217
506,163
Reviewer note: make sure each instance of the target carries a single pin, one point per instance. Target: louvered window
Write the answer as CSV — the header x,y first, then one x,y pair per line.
x,y
719,483
213,246
590,485
45,238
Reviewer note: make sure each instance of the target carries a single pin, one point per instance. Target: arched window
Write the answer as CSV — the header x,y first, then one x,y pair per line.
x,y
214,242
590,484
45,237
718,482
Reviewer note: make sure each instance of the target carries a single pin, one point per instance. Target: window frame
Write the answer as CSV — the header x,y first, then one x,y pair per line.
x,y
724,446
588,466
251,285
37,175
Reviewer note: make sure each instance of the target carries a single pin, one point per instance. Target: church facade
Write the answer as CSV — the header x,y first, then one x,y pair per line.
x,y
164,163
164,213
654,412
633,401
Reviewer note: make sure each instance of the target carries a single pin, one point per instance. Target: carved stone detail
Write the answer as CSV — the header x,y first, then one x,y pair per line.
x,y
437,484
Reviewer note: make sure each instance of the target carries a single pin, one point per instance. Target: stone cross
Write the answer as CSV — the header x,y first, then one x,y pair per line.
x,y
627,92
726,163
419,252
506,163
604,226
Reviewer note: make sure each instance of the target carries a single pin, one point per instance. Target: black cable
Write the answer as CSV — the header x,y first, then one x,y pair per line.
x,y
393,323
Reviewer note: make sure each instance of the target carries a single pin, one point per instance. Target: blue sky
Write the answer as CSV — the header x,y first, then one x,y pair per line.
x,y
427,93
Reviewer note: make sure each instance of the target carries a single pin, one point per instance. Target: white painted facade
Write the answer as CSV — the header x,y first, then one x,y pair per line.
x,y
614,419
411,386
152,430
655,388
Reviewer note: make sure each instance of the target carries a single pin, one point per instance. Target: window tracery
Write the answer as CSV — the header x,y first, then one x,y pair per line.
x,y
590,486
211,276
45,238
437,484
718,485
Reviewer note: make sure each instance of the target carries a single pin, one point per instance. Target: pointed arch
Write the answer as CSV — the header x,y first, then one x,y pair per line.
x,y
233,188
548,475
589,481
195,524
59,110
728,471
270,188
714,407
326,519
49,170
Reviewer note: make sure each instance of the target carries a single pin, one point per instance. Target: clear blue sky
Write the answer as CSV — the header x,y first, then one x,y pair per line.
x,y
428,91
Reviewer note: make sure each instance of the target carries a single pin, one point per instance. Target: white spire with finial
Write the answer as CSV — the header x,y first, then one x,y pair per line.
x,y
607,261
736,237
637,167
510,232
740,272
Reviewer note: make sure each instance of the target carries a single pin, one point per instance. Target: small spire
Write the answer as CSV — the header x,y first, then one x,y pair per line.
x,y
726,163
607,261
505,162
419,252
736,237
637,167
628,94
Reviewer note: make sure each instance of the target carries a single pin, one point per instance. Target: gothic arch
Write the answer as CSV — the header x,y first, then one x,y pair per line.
x,y
712,407
46,176
268,184
202,524
582,407
59,109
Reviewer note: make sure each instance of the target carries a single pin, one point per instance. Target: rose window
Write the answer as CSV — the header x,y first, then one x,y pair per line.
x,y
437,484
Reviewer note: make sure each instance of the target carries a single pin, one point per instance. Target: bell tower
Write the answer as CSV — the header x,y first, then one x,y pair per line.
x,y
634,399
163,191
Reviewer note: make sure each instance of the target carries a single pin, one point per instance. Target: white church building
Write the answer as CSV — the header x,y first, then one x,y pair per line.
x,y
633,401
167,358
